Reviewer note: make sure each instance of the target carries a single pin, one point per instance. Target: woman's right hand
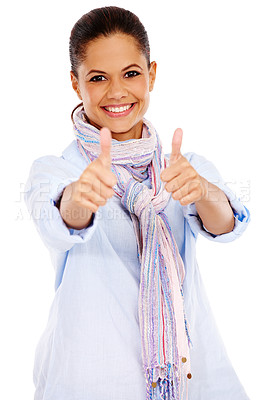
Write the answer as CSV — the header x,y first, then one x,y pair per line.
x,y
92,190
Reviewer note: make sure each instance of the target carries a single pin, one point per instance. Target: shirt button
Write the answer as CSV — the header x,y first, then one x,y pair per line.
x,y
189,376
184,359
154,384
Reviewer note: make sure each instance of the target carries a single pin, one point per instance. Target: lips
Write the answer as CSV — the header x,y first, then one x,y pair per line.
x,y
118,110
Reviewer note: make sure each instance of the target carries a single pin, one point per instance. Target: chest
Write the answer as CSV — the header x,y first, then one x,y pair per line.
x,y
116,224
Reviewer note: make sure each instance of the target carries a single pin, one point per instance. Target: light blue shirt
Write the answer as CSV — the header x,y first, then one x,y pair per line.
x,y
91,347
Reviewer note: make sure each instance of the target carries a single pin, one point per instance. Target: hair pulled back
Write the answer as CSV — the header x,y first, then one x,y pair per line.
x,y
103,22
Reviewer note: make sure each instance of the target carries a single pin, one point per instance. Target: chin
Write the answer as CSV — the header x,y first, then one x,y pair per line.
x,y
120,127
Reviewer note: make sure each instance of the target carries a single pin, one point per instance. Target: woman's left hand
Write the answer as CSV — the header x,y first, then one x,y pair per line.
x,y
180,178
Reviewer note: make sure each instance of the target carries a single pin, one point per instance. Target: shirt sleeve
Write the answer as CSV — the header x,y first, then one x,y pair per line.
x,y
48,177
241,214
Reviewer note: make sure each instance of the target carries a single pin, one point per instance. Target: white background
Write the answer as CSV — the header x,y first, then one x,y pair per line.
x,y
211,83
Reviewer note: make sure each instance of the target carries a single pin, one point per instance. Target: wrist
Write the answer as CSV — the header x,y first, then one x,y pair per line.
x,y
74,215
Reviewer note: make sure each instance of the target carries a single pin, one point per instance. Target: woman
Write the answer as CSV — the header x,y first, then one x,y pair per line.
x,y
130,318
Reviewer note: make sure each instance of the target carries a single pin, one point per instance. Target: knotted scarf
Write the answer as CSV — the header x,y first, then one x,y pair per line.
x,y
163,326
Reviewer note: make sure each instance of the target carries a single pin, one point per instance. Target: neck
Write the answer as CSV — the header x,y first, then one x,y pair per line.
x,y
134,133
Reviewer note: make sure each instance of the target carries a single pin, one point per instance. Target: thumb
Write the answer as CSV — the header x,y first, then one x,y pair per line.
x,y
106,144
176,145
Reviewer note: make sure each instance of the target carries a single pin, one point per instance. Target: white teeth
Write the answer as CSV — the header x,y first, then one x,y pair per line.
x,y
117,109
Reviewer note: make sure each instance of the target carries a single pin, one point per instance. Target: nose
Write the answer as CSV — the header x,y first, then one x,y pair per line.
x,y
116,89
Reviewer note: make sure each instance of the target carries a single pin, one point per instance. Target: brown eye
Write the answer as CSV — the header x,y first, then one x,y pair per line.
x,y
131,74
97,78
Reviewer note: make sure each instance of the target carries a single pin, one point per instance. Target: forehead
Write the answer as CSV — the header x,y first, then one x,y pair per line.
x,y
116,49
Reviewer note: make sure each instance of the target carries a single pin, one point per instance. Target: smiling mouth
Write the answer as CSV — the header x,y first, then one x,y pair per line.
x,y
118,109
115,111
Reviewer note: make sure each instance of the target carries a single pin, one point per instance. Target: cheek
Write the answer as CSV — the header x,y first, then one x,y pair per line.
x,y
90,95
141,90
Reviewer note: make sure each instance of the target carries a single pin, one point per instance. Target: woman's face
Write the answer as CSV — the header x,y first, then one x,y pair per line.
x,y
114,84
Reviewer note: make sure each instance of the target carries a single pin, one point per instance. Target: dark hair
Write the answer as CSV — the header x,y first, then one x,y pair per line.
x,y
105,21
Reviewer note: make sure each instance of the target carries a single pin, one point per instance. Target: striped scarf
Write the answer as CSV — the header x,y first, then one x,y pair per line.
x,y
163,326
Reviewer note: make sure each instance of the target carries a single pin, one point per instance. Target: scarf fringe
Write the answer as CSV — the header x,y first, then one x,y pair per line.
x,y
170,386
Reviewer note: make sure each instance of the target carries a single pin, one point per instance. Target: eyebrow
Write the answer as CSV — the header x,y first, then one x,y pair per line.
x,y
124,69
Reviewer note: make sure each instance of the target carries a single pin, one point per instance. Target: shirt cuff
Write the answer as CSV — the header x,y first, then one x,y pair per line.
x,y
86,233
241,217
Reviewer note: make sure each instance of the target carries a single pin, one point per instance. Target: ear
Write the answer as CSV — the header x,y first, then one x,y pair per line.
x,y
152,75
75,84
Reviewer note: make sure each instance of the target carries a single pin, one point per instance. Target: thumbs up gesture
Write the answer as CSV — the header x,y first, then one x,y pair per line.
x,y
82,198
94,186
180,178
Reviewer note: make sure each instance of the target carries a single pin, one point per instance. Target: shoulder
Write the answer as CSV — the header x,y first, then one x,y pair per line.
x,y
196,160
70,161
203,166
